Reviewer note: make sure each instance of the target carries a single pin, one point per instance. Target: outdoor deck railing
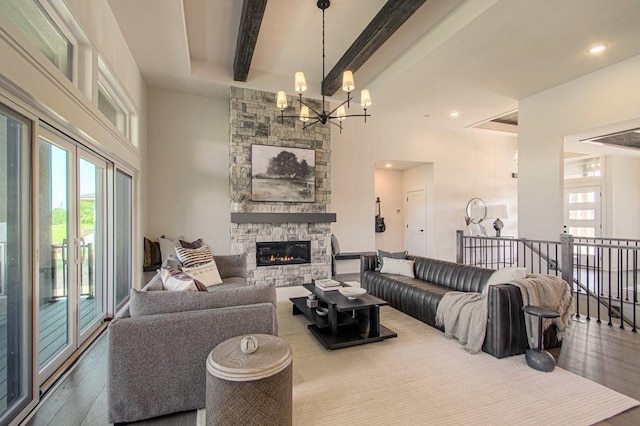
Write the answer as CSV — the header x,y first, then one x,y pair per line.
x,y
58,270
603,272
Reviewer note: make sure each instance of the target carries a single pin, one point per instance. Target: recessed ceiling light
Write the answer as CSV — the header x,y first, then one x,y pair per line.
x,y
598,48
454,114
388,165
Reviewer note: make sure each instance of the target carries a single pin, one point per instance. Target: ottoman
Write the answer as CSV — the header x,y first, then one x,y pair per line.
x,y
250,389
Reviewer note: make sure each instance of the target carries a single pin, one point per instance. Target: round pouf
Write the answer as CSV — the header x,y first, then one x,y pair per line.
x,y
250,389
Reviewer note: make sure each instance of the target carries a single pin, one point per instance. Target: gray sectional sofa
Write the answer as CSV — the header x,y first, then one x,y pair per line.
x,y
158,344
420,296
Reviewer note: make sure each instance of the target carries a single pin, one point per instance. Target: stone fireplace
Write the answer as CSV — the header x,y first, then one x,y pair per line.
x,y
255,120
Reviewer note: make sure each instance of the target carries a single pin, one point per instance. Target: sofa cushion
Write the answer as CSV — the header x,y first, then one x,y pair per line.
x,y
451,275
164,302
207,274
393,255
229,283
398,267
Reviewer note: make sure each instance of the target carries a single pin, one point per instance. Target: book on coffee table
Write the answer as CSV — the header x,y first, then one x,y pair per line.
x,y
327,284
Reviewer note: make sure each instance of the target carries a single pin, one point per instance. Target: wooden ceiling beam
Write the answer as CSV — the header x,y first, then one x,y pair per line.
x,y
250,21
391,17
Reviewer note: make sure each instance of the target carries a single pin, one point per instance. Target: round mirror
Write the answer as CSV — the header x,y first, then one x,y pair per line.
x,y
476,210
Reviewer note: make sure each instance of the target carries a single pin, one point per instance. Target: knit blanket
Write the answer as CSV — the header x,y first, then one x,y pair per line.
x,y
464,315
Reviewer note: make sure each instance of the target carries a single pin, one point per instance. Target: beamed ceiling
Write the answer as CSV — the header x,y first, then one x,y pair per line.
x,y
418,58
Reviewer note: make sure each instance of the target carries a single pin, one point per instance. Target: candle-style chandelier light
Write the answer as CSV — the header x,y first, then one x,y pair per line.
x,y
310,115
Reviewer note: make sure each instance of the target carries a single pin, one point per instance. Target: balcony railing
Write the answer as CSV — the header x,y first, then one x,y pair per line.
x,y
603,272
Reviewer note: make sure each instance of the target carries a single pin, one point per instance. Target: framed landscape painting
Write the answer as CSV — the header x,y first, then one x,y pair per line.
x,y
283,174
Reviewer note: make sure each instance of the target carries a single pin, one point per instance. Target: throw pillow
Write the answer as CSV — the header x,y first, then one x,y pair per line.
x,y
506,275
167,246
192,245
335,246
398,267
176,280
172,262
152,254
207,274
194,257
388,254
165,302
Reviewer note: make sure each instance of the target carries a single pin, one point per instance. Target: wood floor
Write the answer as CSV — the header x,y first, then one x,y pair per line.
x,y
604,354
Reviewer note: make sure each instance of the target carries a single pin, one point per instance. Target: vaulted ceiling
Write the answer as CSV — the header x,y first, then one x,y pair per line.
x,y
474,56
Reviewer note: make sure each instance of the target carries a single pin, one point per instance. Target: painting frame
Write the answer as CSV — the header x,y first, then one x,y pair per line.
x,y
283,174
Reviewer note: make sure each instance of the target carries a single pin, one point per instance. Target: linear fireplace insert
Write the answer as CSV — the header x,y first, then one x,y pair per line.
x,y
283,253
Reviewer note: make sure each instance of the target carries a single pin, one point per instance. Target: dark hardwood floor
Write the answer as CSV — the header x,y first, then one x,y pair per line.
x,y
604,354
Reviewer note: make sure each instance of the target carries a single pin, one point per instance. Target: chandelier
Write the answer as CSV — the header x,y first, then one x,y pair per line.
x,y
310,115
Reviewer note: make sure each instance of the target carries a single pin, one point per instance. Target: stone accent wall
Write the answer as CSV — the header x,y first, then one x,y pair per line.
x,y
255,119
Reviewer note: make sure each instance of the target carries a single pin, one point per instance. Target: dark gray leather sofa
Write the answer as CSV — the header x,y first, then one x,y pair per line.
x,y
420,296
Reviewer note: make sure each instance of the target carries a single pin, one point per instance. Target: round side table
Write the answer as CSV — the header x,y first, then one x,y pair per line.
x,y
539,359
250,389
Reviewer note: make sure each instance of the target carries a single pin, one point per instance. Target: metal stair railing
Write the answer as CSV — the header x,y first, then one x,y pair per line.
x,y
586,263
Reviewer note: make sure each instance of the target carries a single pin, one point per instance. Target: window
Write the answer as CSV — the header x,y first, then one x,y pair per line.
x,y
582,197
110,108
123,236
38,25
583,168
115,105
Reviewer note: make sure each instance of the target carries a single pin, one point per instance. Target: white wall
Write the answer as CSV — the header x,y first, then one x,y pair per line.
x,y
388,186
189,168
466,164
594,101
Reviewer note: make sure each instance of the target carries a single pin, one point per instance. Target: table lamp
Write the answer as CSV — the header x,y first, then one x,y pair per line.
x,y
498,211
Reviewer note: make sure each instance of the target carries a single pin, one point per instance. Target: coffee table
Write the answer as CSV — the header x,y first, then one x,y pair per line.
x,y
348,322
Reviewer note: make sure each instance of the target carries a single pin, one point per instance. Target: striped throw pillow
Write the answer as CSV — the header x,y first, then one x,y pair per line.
x,y
194,257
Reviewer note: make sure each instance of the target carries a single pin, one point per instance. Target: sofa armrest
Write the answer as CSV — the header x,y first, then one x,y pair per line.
x,y
234,265
506,332
157,362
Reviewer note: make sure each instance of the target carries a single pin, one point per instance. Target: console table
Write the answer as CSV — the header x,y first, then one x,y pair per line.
x,y
348,322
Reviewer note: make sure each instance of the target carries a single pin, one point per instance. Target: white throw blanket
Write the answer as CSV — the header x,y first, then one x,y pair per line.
x,y
464,315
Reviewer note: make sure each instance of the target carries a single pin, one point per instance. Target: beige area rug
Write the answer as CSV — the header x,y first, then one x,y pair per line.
x,y
421,377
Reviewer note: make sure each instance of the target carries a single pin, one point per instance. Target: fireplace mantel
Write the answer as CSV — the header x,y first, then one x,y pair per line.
x,y
283,217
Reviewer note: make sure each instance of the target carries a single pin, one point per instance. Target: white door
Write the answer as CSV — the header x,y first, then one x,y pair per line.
x,y
583,211
416,223
583,216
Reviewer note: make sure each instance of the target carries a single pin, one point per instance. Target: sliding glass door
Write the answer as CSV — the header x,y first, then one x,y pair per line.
x,y
123,277
92,232
72,285
16,352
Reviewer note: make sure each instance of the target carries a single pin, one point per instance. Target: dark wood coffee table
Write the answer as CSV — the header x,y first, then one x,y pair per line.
x,y
348,323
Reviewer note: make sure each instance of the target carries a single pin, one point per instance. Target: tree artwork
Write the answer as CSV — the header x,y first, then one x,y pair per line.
x,y
282,174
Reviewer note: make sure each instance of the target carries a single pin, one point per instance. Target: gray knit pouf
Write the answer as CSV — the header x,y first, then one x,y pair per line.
x,y
250,389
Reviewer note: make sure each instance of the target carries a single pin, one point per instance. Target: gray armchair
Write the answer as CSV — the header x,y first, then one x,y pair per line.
x,y
158,345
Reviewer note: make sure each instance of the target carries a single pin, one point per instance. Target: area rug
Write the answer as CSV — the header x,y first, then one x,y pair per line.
x,y
421,377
